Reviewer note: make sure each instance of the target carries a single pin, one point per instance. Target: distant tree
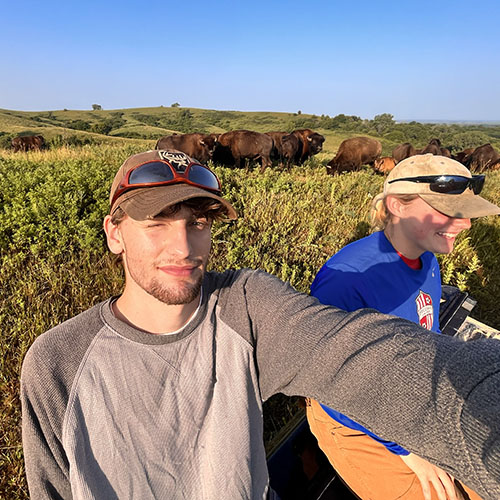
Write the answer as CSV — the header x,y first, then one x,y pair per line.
x,y
471,139
79,125
185,121
175,105
414,132
383,123
96,107
299,112
103,127
346,122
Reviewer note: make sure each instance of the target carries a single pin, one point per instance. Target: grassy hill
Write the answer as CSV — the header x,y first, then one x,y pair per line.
x,y
78,127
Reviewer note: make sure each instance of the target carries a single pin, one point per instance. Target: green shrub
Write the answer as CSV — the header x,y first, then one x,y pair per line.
x,y
6,140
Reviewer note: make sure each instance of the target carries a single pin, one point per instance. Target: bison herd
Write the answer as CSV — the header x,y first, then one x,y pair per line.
x,y
358,151
234,148
478,159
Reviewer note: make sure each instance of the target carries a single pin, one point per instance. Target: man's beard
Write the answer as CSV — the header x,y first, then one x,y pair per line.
x,y
178,296
178,293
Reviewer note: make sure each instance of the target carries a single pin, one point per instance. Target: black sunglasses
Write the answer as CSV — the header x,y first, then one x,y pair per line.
x,y
162,173
449,184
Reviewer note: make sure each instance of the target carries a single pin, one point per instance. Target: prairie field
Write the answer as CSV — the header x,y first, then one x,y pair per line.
x,y
54,262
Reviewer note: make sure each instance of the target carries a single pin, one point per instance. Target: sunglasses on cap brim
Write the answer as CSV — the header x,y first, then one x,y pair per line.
x,y
448,184
162,173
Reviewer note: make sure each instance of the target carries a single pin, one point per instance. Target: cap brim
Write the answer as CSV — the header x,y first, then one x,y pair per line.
x,y
463,206
145,203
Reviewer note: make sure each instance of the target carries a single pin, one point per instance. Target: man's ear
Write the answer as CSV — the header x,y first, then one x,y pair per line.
x,y
113,236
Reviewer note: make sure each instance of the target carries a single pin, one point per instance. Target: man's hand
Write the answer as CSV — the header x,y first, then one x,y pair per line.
x,y
430,474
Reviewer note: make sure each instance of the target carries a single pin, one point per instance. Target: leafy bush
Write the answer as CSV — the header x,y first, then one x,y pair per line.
x,y
5,140
79,125
464,140
60,140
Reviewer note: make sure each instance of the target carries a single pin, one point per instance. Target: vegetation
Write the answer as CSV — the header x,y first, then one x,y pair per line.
x,y
53,258
87,127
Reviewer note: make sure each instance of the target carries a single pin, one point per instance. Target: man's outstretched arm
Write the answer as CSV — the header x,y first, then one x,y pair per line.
x,y
437,396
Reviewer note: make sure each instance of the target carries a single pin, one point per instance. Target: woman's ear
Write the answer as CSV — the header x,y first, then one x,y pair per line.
x,y
113,235
394,205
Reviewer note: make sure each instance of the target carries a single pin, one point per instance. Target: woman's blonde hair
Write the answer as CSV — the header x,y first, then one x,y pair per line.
x,y
380,215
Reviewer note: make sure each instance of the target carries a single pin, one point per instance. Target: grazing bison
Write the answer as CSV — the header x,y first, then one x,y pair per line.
x,y
445,152
28,143
198,146
463,156
384,164
353,153
434,147
285,147
483,158
233,147
310,143
403,151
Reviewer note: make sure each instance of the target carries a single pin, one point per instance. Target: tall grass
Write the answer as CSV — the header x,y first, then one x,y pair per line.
x,y
54,262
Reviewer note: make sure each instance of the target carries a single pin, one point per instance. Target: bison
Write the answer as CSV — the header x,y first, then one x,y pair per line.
x,y
463,156
483,158
195,145
310,143
434,147
28,143
353,153
285,147
233,147
402,151
384,164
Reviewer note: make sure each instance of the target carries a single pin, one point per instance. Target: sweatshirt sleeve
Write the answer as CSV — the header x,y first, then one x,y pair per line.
x,y
435,395
47,468
48,371
344,287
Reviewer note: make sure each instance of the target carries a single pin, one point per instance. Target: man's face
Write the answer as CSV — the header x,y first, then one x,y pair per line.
x,y
166,257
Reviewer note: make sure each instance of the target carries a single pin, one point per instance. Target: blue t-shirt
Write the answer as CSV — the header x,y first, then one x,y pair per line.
x,y
370,273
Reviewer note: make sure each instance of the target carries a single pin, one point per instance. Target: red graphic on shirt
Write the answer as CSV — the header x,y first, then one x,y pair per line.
x,y
424,310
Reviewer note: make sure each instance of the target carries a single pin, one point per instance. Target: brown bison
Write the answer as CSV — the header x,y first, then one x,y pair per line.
x,y
483,158
402,151
463,156
28,143
197,146
233,147
434,147
384,164
285,147
310,143
353,153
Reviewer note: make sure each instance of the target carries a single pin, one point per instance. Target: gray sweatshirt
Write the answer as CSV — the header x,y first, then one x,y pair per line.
x,y
111,412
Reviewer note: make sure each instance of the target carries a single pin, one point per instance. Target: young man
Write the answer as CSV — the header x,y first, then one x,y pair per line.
x,y
158,393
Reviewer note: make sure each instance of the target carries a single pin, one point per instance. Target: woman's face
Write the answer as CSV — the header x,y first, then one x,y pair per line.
x,y
421,228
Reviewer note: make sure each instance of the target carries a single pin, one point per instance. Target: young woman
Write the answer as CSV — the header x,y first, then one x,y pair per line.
x,y
427,201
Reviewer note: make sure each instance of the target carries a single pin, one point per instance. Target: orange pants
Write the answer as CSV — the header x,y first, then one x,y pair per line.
x,y
365,465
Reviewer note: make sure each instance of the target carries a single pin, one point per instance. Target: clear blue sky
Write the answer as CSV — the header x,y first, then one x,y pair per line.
x,y
415,60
